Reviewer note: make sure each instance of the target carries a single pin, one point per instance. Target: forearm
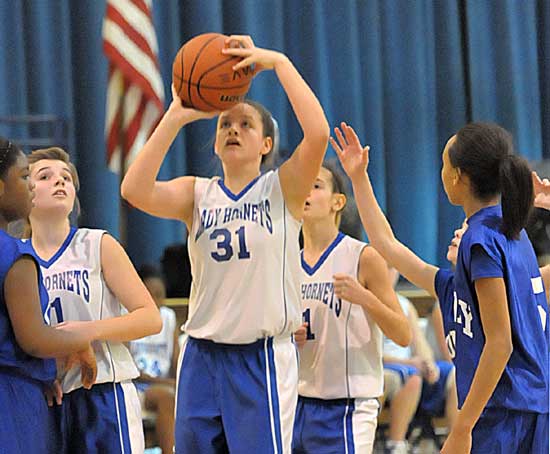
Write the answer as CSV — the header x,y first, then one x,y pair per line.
x,y
491,364
139,181
394,326
306,106
139,323
48,342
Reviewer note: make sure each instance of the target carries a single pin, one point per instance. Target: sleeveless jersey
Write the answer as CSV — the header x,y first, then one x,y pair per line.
x,y
245,262
153,354
12,357
74,280
342,357
523,385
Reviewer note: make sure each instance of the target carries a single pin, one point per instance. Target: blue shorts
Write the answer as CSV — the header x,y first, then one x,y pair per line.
x,y
26,425
335,426
432,400
236,398
404,371
105,419
503,431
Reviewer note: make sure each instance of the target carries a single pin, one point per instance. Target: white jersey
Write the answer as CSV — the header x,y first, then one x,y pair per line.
x,y
342,357
153,354
245,262
390,348
77,291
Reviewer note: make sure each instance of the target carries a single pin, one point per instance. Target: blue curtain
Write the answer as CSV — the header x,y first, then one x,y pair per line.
x,y
405,74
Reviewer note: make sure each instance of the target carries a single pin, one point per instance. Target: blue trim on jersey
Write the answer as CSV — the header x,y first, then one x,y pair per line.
x,y
233,196
312,269
65,245
274,395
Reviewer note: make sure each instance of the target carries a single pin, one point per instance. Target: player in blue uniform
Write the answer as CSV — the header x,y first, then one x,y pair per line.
x,y
494,307
237,386
347,303
25,338
93,288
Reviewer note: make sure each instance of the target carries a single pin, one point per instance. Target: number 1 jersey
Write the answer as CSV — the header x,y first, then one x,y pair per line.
x,y
245,262
77,291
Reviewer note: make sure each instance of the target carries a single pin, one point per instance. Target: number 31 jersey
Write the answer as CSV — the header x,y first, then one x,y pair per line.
x,y
245,262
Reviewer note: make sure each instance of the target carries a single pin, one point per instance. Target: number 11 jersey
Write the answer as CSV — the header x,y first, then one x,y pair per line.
x,y
245,262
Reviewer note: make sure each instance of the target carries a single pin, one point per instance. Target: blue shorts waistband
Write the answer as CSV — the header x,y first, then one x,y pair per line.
x,y
328,402
256,345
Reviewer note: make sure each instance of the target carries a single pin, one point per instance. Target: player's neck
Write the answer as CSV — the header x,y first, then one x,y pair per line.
x,y
48,235
318,236
472,205
236,179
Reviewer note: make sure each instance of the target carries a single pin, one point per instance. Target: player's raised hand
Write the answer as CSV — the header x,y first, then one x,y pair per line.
x,y
256,57
183,114
352,155
542,191
300,335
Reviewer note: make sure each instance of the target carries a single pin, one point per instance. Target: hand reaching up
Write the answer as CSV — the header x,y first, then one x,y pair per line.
x,y
353,156
542,191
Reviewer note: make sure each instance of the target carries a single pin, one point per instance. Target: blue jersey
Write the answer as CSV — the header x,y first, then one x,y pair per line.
x,y
486,253
12,357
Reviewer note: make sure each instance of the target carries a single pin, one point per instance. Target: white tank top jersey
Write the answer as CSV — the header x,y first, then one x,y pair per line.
x,y
77,291
245,262
342,357
153,354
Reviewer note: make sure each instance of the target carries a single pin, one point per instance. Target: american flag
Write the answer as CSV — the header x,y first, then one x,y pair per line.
x,y
135,92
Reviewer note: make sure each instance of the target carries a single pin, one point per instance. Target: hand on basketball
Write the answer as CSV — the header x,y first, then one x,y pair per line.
x,y
348,288
260,59
542,191
185,114
300,335
353,156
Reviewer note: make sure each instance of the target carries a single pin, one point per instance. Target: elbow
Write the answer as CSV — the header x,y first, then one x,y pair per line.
x,y
156,324
405,336
126,191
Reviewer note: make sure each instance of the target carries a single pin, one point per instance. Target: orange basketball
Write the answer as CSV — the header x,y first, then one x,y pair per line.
x,y
204,78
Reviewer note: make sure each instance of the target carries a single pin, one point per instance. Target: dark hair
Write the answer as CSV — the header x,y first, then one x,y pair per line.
x,y
8,155
149,271
270,127
338,183
485,152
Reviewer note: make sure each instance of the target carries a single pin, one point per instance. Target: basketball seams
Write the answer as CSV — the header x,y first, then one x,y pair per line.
x,y
198,61
201,50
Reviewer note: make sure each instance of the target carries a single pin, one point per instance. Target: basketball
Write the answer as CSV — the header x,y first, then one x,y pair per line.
x,y
204,77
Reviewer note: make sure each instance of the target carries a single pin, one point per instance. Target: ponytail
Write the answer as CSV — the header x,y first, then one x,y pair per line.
x,y
516,194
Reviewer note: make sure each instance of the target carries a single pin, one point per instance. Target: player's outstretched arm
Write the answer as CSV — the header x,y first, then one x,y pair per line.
x,y
31,332
373,291
167,199
143,317
355,158
299,172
